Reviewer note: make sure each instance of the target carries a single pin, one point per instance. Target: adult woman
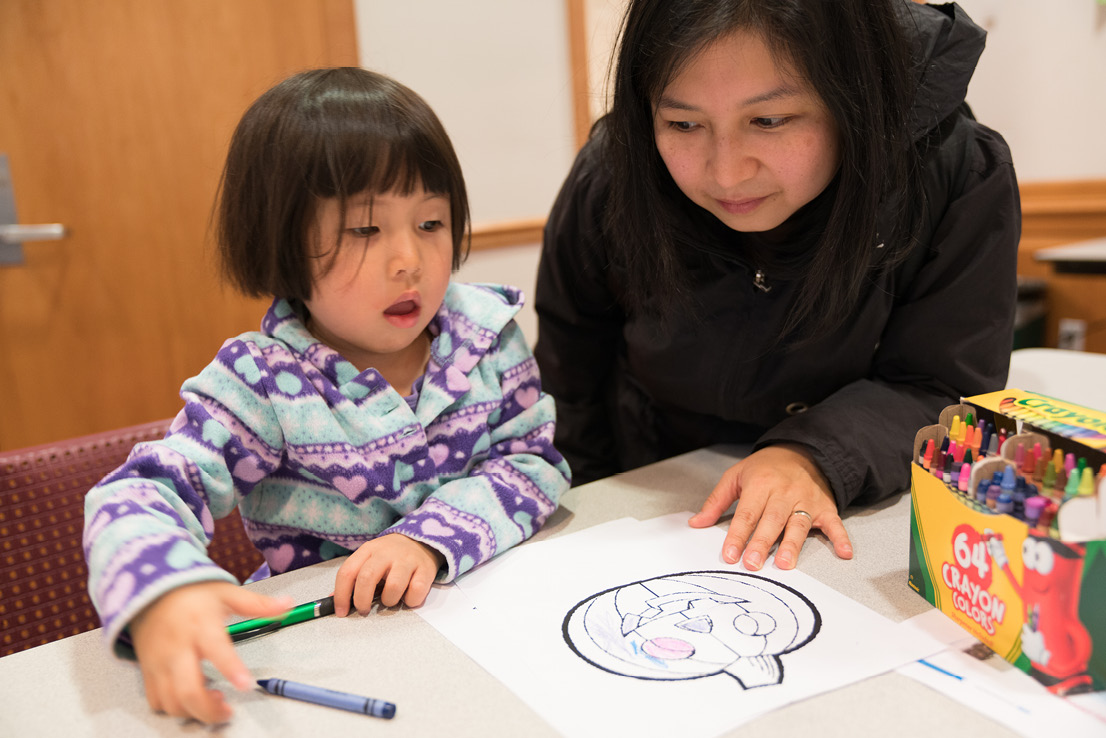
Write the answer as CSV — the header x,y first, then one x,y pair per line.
x,y
789,230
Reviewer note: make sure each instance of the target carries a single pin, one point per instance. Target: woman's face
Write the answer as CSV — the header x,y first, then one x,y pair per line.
x,y
743,136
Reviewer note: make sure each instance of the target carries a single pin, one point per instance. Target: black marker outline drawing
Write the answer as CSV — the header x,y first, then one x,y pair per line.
x,y
691,625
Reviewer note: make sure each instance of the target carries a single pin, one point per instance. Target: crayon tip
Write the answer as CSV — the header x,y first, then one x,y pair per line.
x,y
1086,483
963,482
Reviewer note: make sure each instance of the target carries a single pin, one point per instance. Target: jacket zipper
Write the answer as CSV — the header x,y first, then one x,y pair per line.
x,y
759,282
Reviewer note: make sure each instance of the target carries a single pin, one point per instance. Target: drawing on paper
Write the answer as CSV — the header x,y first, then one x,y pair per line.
x,y
692,625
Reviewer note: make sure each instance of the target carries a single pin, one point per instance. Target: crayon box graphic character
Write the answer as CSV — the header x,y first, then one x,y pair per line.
x,y
1053,638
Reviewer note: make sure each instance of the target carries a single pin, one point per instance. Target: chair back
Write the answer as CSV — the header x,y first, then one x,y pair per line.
x,y
43,576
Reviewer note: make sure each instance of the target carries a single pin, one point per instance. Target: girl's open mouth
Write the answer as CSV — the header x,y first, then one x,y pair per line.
x,y
404,307
404,312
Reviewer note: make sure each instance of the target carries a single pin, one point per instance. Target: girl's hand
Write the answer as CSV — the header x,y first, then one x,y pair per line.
x,y
394,561
182,628
772,485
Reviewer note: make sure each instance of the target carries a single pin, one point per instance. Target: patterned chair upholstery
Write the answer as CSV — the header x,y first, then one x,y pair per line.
x,y
43,578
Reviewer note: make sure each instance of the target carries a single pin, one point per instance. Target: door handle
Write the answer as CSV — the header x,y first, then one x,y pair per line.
x,y
13,235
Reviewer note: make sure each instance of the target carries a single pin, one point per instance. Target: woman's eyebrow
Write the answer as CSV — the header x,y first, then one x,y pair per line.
x,y
778,93
669,103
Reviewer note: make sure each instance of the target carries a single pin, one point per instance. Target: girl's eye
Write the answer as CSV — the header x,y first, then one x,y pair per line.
x,y
683,126
770,122
364,231
431,225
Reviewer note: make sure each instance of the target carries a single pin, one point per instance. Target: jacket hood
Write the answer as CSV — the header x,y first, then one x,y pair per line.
x,y
947,45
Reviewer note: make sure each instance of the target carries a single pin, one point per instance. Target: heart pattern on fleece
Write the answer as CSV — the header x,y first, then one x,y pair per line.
x,y
248,470
280,558
351,487
433,528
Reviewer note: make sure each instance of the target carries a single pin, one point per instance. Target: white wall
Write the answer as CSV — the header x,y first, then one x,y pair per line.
x,y
1041,84
497,73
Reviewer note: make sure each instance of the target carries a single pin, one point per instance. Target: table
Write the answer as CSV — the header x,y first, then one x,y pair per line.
x,y
74,688
1078,377
1084,257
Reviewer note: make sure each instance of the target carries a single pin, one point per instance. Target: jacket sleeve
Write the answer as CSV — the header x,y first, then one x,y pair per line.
x,y
148,523
949,335
579,323
509,493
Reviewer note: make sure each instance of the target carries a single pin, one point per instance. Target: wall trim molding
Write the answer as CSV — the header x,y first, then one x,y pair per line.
x,y
1077,196
1059,212
504,233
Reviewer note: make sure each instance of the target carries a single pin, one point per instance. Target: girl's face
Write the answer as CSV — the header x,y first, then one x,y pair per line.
x,y
743,136
373,297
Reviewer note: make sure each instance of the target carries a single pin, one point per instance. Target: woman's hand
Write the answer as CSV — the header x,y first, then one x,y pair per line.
x,y
401,564
773,487
181,629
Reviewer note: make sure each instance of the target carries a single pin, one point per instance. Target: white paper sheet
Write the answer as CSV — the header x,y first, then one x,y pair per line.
x,y
510,616
1000,690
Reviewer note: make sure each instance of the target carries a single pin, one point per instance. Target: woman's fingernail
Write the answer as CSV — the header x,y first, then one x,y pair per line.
x,y
753,561
730,555
783,559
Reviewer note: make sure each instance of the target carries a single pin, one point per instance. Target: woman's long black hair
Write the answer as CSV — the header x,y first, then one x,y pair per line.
x,y
854,54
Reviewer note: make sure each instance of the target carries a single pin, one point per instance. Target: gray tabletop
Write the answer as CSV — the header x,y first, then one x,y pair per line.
x,y
1084,257
75,688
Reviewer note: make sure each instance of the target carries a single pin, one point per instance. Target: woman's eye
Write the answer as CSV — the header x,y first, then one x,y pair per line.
x,y
682,125
430,225
769,122
364,231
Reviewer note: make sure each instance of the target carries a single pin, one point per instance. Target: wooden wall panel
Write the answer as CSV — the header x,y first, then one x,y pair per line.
x,y
1057,213
116,118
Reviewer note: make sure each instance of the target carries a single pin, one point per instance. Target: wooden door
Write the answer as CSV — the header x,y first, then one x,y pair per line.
x,y
115,116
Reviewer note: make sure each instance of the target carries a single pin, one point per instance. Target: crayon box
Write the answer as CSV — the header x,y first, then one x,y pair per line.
x,y
1015,553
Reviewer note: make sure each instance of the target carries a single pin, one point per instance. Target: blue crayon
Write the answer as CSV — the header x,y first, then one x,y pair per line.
x,y
993,493
1004,504
1019,495
981,492
328,697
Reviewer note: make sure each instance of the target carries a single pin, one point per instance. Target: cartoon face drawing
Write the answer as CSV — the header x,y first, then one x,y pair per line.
x,y
692,625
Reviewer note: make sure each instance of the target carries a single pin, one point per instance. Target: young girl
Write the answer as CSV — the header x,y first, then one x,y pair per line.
x,y
381,412
789,231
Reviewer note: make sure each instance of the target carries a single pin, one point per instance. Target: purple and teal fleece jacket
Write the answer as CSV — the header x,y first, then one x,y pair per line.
x,y
320,458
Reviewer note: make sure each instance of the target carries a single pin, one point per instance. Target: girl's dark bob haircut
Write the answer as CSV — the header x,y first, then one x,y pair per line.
x,y
325,133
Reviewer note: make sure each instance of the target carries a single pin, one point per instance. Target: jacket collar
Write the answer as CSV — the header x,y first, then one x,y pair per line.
x,y
468,323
